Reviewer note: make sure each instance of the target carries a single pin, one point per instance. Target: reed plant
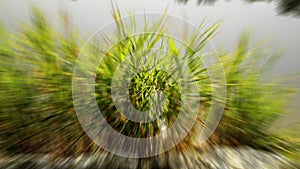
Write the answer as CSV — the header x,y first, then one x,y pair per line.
x,y
37,62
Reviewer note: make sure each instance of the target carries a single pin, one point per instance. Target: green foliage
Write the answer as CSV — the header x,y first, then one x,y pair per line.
x,y
37,113
252,105
36,65
159,51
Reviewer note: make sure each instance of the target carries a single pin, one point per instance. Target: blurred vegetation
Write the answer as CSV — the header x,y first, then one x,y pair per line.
x,y
37,113
284,7
151,79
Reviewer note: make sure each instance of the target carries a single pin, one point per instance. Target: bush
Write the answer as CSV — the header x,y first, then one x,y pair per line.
x,y
37,114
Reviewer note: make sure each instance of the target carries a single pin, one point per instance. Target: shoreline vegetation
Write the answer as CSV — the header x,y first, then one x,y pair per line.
x,y
284,7
37,113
